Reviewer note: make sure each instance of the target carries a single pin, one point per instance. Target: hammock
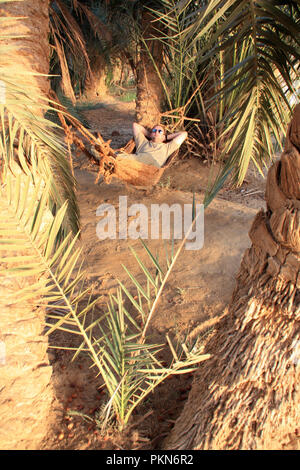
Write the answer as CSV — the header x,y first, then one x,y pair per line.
x,y
110,164
137,173
132,172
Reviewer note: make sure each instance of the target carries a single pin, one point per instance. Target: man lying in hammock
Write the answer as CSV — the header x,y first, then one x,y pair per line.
x,y
158,148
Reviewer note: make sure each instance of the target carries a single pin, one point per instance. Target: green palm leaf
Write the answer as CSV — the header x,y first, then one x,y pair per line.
x,y
248,52
40,150
261,83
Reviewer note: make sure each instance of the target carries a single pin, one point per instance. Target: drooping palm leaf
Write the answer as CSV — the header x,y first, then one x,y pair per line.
x,y
69,44
28,249
249,51
99,28
80,32
26,135
115,340
30,151
257,82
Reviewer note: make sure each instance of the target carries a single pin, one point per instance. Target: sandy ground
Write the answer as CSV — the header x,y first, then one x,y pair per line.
x,y
198,290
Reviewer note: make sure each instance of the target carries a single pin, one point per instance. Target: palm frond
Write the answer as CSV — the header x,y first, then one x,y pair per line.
x,y
29,138
99,28
256,82
69,44
117,341
28,250
242,58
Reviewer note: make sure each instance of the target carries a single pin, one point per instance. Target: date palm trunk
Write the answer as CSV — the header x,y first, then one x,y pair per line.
x,y
95,83
25,391
149,88
247,395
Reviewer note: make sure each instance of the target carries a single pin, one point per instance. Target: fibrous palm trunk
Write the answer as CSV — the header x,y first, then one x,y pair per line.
x,y
95,84
149,87
25,391
247,395
33,43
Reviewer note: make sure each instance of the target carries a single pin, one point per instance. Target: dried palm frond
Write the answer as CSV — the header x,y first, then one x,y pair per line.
x,y
98,27
70,45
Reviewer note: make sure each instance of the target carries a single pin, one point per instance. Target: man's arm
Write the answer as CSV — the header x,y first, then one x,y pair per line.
x,y
178,137
138,129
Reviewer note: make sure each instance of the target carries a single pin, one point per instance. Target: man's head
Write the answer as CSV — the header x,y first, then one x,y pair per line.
x,y
158,134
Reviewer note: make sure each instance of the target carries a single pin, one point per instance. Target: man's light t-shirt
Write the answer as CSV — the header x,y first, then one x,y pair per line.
x,y
151,153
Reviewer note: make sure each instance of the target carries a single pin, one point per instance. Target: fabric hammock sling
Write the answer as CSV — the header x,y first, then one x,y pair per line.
x,y
137,173
110,164
131,172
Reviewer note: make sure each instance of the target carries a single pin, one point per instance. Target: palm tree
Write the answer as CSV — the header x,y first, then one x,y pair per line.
x,y
150,94
129,30
88,39
247,395
230,68
36,180
80,39
133,32
89,36
36,184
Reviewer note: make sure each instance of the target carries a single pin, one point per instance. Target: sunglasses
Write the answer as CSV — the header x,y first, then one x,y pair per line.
x,y
157,130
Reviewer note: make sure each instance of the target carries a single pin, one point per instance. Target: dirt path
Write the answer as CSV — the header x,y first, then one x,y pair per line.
x,y
199,288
